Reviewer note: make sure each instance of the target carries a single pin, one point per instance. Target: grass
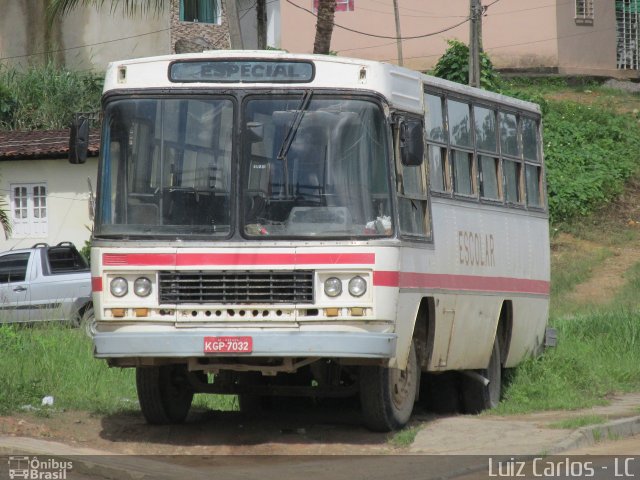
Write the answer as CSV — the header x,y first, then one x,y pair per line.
x,y
577,422
597,354
405,437
45,97
52,359
570,267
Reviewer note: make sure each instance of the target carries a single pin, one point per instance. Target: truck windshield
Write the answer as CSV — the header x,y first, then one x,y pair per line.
x,y
314,168
166,167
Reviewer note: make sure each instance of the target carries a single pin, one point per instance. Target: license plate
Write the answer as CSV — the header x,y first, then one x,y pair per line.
x,y
228,344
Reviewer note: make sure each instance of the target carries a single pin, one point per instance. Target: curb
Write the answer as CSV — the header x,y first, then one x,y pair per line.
x,y
590,435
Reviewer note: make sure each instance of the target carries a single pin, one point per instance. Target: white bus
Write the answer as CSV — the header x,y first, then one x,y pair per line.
x,y
279,224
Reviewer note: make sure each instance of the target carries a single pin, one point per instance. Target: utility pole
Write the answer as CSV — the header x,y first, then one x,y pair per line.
x,y
235,35
398,34
475,17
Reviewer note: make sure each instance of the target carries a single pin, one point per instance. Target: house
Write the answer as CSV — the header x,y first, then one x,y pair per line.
x,y
47,198
582,37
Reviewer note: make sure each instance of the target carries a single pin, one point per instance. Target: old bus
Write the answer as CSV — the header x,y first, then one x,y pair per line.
x,y
278,224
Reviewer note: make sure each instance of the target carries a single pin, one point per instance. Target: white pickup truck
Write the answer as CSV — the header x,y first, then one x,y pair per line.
x,y
44,283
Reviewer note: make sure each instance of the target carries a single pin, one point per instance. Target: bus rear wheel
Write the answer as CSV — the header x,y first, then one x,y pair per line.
x,y
387,395
164,393
478,396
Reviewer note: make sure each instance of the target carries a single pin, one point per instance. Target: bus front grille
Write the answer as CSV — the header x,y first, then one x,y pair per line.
x,y
233,287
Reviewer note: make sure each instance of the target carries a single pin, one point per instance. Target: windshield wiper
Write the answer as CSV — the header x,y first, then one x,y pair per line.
x,y
293,128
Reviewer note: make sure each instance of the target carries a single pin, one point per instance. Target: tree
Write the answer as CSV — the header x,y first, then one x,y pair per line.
x,y
61,7
324,26
5,222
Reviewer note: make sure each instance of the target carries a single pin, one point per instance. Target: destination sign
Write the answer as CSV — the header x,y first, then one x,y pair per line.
x,y
241,71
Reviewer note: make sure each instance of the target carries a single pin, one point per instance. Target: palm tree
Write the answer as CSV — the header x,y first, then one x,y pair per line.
x,y
324,26
5,222
61,7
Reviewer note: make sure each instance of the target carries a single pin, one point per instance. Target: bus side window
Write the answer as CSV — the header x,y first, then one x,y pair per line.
x,y
511,158
461,141
488,163
533,168
439,172
413,200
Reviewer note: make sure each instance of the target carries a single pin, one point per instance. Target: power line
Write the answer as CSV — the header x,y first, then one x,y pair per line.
x,y
416,10
384,36
84,46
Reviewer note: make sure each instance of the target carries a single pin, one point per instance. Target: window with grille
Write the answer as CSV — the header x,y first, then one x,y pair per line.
x,y
628,34
29,210
584,11
201,11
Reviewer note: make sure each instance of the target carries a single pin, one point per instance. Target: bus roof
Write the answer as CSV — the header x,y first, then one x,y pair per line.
x,y
402,87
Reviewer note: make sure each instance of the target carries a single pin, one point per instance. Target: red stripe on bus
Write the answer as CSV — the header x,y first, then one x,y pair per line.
x,y
460,282
96,284
231,259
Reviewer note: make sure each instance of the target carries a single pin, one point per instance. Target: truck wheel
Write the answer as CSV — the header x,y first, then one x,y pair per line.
x,y
476,396
387,395
440,392
164,393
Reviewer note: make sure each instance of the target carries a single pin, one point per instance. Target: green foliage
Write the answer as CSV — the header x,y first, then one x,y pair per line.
x,y
45,97
597,354
577,422
53,359
454,66
571,268
590,153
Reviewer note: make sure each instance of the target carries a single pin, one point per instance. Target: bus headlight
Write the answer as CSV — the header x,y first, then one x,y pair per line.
x,y
357,286
142,287
332,287
119,287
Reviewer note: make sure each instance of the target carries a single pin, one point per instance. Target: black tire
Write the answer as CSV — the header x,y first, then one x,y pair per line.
x,y
476,396
387,395
82,317
164,393
440,392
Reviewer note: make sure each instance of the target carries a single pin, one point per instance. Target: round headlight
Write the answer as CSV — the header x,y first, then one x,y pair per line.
x,y
332,287
357,286
142,286
119,287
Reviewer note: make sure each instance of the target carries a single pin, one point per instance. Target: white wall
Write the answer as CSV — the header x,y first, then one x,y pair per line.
x,y
67,198
87,38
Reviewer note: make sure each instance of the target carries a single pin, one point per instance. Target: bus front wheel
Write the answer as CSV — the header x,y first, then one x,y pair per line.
x,y
387,395
164,393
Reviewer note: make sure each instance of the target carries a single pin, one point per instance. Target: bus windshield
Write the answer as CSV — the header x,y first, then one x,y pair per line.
x,y
314,166
166,167
311,165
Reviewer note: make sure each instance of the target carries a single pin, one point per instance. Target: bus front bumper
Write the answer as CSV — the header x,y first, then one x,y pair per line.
x,y
189,344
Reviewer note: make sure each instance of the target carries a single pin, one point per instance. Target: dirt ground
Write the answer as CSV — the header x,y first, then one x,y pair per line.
x,y
299,430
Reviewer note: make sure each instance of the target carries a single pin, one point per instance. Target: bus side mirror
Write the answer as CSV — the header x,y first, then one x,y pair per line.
x,y
79,140
411,143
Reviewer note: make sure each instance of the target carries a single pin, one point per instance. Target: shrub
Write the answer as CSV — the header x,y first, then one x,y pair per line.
x,y
45,97
590,153
454,66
